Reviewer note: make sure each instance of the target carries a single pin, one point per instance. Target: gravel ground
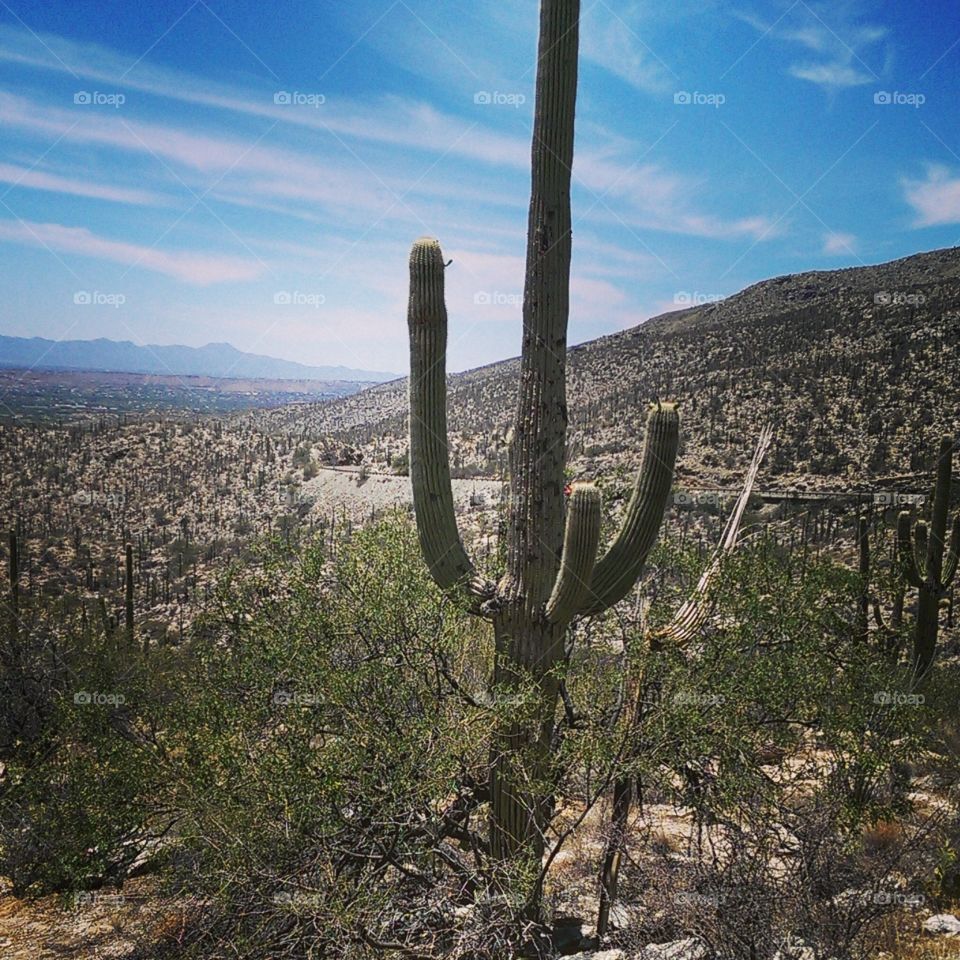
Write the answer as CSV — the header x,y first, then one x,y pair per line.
x,y
344,489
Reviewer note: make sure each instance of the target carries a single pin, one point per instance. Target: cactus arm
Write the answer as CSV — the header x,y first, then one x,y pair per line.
x,y
921,542
941,508
580,542
618,569
953,554
429,459
908,560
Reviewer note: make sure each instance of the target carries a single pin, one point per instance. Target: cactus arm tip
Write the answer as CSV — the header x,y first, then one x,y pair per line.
x,y
618,569
953,552
921,542
908,559
580,542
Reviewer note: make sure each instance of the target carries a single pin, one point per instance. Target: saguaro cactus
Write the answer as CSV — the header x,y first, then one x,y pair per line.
x,y
128,592
922,561
552,572
863,568
888,629
14,574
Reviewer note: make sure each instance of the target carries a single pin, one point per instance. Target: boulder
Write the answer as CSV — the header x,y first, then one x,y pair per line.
x,y
943,925
692,948
599,955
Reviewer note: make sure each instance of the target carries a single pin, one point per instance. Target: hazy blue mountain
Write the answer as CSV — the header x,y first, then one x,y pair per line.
x,y
212,360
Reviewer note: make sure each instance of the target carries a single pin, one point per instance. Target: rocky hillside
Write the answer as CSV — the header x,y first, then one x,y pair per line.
x,y
858,370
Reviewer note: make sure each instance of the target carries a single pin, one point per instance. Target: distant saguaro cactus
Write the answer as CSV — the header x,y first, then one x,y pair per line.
x,y
553,573
128,592
863,568
14,573
922,561
887,634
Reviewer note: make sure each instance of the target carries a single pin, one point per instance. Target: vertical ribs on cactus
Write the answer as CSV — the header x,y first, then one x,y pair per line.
x,y
552,572
437,529
582,583
928,562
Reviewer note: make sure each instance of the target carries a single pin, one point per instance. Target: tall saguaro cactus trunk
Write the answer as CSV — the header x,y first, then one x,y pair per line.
x,y
524,637
553,573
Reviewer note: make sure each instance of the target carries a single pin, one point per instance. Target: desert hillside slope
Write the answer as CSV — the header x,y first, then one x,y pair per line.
x,y
857,368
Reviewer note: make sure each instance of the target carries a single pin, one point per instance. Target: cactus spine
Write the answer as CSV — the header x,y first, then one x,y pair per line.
x,y
552,574
923,561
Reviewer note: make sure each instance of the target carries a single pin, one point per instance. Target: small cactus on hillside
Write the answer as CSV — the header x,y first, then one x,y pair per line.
x,y
128,593
14,575
927,562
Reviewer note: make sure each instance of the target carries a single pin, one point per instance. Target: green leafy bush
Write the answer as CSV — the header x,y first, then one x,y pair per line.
x,y
79,802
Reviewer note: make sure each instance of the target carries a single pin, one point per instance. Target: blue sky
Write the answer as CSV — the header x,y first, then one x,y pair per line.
x,y
207,170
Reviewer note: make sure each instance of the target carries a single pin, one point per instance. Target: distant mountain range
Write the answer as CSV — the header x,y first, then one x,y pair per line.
x,y
211,360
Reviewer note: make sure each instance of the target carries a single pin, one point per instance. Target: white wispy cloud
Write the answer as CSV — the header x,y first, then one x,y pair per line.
x,y
644,196
35,179
834,33
614,39
390,119
936,198
830,74
836,242
189,266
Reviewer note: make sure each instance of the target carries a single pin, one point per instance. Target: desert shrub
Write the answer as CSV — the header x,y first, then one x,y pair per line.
x,y
795,879
400,464
316,753
332,743
78,801
781,736
31,673
327,742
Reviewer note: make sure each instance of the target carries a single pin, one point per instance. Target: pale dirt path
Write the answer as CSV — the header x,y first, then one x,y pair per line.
x,y
103,925
343,489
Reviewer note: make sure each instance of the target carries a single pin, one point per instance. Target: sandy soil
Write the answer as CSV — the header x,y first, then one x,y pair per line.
x,y
344,488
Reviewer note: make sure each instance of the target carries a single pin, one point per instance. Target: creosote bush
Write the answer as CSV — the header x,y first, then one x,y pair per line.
x,y
78,798
315,757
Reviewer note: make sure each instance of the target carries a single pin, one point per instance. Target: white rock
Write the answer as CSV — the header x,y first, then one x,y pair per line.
x,y
690,949
600,955
943,924
624,915
796,950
